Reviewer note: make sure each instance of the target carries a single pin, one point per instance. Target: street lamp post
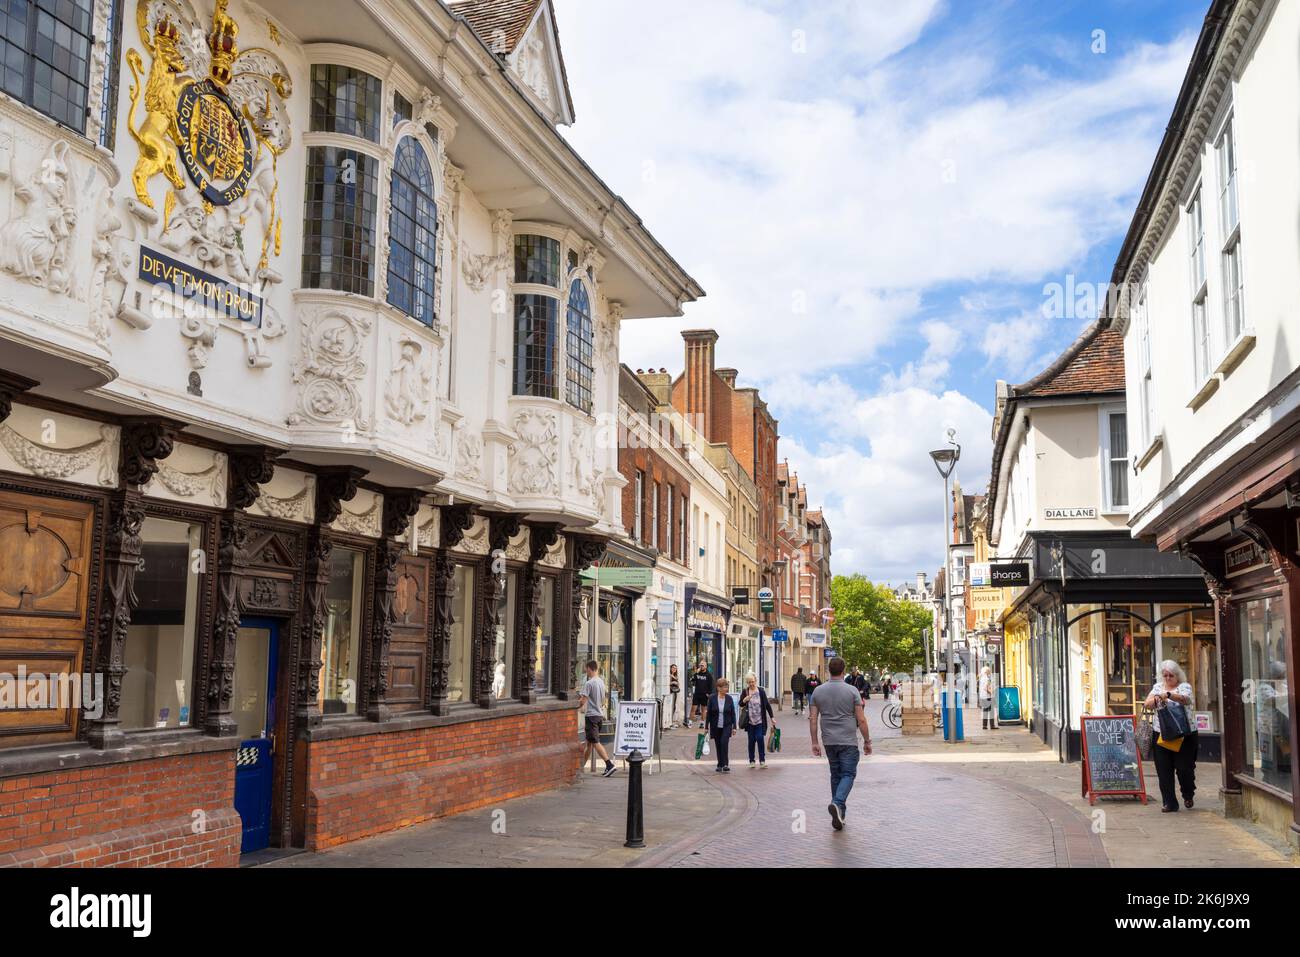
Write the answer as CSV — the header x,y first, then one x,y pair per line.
x,y
945,460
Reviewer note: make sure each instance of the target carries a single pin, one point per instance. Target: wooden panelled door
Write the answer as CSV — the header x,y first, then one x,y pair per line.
x,y
45,563
408,655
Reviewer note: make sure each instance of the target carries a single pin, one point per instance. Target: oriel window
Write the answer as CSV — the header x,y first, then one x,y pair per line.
x,y
45,56
412,233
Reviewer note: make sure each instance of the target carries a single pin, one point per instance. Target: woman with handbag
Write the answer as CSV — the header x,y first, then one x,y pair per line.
x,y
720,719
755,709
1176,747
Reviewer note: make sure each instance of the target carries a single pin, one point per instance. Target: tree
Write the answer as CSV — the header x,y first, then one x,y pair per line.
x,y
873,628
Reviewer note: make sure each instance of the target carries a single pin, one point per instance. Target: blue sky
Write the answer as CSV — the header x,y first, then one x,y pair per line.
x,y
874,194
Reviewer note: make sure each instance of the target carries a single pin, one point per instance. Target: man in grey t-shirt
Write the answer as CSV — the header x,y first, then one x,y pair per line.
x,y
837,706
592,704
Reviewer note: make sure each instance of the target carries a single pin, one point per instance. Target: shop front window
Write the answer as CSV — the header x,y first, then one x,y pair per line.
x,y
1130,658
460,668
343,605
542,642
503,650
1268,744
612,652
1188,637
157,691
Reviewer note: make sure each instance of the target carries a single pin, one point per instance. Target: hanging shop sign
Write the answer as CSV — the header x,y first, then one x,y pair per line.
x,y
999,574
705,617
766,600
619,577
1243,558
1111,762
740,596
814,636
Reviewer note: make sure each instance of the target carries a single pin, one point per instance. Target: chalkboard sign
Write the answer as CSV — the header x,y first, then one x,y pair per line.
x,y
1111,763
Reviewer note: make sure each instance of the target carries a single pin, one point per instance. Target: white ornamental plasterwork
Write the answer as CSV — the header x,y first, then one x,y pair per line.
x,y
535,455
531,66
37,242
584,464
52,463
426,535
328,372
607,332
517,547
109,275
409,389
554,557
190,484
469,457
475,541
298,507
362,523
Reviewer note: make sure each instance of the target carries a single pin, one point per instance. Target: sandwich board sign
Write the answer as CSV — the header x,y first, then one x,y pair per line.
x,y
1112,765
635,728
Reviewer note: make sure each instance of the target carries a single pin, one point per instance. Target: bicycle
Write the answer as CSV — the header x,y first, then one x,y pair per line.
x,y
892,715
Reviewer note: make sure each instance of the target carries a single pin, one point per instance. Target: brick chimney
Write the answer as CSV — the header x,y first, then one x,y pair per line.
x,y
728,376
660,385
699,377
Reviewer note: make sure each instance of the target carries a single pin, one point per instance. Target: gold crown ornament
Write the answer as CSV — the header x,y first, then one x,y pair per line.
x,y
223,42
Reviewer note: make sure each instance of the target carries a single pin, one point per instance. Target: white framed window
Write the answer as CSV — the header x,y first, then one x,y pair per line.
x,y
638,505
668,524
1234,321
654,515
1114,458
1200,319
1146,381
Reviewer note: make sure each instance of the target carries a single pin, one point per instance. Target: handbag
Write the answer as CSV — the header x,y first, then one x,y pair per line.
x,y
1173,722
1145,736
1173,745
743,723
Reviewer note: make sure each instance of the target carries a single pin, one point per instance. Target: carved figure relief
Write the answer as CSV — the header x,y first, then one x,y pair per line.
x,y
469,457
583,463
535,455
35,243
409,388
331,366
108,279
531,66
479,268
55,463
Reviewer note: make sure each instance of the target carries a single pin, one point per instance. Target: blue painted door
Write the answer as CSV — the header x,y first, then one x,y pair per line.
x,y
256,653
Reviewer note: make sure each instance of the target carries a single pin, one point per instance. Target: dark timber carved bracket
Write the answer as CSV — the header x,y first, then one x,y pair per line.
x,y
399,508
144,442
501,528
11,385
456,521
334,486
251,466
315,588
444,612
231,557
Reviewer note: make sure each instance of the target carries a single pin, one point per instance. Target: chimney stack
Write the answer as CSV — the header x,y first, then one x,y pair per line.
x,y
728,376
699,377
660,385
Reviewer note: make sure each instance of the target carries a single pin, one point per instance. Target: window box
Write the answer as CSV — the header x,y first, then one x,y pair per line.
x,y
1203,394
1156,445
1236,352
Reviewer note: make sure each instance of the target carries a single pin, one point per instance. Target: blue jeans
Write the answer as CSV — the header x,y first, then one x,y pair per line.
x,y
843,760
756,736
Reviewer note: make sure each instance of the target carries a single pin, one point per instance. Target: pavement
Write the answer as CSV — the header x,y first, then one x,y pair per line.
x,y
1000,799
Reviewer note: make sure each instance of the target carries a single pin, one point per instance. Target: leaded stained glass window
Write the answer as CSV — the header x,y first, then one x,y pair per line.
x,y
412,233
580,371
536,318
339,220
45,56
345,100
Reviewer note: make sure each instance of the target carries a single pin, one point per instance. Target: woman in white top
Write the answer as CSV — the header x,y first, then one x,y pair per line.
x,y
1172,689
986,696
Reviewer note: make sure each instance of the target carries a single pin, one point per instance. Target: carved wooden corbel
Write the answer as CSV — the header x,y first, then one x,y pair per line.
x,y
251,466
231,558
456,521
11,386
334,486
145,441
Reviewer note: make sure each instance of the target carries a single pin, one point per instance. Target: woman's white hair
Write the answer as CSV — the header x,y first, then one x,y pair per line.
x,y
751,677
1170,665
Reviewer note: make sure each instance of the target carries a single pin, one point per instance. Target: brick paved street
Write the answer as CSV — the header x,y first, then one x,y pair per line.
x,y
1001,799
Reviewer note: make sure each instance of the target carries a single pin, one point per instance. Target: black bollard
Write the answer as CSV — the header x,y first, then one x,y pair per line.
x,y
635,810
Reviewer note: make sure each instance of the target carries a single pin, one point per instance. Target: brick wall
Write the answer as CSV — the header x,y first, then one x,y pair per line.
x,y
139,814
361,786
656,469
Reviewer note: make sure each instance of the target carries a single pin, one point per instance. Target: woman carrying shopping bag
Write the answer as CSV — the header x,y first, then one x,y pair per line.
x,y
1176,748
755,710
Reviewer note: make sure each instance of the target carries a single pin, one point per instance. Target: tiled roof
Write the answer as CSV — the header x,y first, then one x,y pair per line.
x,y
782,472
814,518
1097,367
511,17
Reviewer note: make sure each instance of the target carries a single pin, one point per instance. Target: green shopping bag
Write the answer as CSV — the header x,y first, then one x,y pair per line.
x,y
774,740
699,745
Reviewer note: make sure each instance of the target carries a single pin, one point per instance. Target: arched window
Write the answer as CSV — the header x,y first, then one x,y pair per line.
x,y
412,233
580,371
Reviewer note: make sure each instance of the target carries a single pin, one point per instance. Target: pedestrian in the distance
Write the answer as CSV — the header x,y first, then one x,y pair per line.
x,y
810,688
720,718
756,710
674,689
701,688
986,696
837,709
592,703
1176,748
798,686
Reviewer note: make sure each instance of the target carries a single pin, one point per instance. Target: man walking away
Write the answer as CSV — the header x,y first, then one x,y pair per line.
x,y
798,685
592,704
837,707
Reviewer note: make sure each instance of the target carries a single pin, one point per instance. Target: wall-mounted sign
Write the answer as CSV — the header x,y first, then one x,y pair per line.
x,y
619,577
195,289
999,574
1070,513
740,596
814,636
780,634
705,617
986,599
1243,558
765,600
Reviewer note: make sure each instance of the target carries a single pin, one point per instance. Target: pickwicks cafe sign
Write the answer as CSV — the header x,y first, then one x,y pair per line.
x,y
210,294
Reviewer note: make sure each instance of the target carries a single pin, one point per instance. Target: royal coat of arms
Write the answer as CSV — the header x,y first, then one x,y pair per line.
x,y
218,114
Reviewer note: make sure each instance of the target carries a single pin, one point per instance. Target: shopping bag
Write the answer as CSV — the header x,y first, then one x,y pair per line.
x,y
700,746
705,751
774,740
1145,737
